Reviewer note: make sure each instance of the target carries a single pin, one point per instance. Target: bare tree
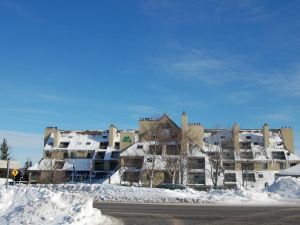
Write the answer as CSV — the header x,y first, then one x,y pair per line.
x,y
215,156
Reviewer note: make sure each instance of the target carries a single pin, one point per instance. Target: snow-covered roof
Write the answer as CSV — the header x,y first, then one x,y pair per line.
x,y
292,171
79,140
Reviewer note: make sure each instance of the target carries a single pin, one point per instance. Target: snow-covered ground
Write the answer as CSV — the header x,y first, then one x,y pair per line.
x,y
115,193
36,205
72,203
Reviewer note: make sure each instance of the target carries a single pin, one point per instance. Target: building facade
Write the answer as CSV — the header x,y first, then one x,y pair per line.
x,y
161,151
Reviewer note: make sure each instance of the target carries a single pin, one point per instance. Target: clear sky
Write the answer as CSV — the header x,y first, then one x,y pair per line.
x,y
87,64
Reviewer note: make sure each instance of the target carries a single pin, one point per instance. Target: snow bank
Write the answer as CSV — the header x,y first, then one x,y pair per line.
x,y
31,205
3,181
286,187
115,193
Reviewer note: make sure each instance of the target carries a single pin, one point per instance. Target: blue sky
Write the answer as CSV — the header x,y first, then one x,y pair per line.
x,y
87,64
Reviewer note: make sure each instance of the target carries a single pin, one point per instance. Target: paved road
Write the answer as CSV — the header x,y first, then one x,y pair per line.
x,y
151,214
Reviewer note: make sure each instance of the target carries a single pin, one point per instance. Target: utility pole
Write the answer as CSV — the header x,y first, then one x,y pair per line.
x,y
7,173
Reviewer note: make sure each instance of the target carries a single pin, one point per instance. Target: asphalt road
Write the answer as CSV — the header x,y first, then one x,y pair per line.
x,y
152,214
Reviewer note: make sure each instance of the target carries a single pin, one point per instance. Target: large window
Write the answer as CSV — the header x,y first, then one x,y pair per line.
x,y
247,166
100,155
99,165
229,177
115,155
172,150
278,155
103,145
196,163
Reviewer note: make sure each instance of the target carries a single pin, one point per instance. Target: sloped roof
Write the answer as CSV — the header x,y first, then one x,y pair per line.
x,y
292,171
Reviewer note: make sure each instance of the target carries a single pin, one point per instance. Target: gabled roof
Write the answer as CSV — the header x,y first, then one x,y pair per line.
x,y
169,118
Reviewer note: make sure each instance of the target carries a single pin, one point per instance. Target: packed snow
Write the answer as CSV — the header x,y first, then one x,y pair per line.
x,y
251,196
36,205
73,203
286,187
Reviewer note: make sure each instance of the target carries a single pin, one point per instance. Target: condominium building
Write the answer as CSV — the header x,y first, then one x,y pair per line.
x,y
160,151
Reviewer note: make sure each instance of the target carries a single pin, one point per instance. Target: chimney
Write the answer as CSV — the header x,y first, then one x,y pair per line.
x,y
112,135
236,137
266,132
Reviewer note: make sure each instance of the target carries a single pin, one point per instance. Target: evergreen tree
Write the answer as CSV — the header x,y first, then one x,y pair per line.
x,y
4,154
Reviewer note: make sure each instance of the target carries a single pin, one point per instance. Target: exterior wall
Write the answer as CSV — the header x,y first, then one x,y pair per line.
x,y
46,177
57,154
145,125
236,137
47,133
266,132
238,166
57,137
125,143
288,138
196,134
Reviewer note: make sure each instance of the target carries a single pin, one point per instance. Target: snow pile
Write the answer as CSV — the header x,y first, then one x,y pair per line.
x,y
3,181
31,205
115,193
286,187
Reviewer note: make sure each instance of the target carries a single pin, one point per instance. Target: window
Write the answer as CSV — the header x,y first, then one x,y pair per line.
x,y
256,143
78,143
89,155
104,136
222,137
194,163
246,155
140,146
100,155
155,149
113,165
50,143
103,145
245,145
264,166
278,155
70,137
248,137
66,155
64,144
282,166
88,143
229,166
99,165
247,166
216,143
117,145
199,179
172,150
115,155
229,177
260,176
73,155
293,164
249,177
